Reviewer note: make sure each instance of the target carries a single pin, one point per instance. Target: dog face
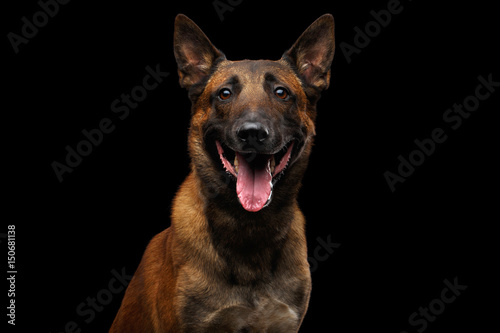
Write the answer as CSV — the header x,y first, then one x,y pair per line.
x,y
252,120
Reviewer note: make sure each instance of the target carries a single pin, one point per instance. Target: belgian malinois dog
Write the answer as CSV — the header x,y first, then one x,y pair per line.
x,y
235,256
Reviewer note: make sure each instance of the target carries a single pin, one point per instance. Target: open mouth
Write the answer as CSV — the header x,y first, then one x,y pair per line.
x,y
255,173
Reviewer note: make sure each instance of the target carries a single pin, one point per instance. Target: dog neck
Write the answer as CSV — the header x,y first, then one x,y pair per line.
x,y
248,244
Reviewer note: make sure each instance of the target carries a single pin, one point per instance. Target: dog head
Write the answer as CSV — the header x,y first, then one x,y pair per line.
x,y
252,120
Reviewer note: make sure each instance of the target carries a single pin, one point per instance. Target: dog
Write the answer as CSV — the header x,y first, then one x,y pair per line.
x,y
235,256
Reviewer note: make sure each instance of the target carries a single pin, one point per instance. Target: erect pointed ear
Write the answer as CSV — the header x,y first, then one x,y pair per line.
x,y
194,53
312,53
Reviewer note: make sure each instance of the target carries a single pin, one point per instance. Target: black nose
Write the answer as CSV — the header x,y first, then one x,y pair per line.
x,y
253,133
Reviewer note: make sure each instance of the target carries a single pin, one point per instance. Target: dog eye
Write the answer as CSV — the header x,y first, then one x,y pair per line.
x,y
225,94
281,92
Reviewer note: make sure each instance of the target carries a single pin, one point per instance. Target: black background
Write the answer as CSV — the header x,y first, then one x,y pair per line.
x,y
396,248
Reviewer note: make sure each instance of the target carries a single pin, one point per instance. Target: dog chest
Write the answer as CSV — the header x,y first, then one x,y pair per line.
x,y
265,315
269,315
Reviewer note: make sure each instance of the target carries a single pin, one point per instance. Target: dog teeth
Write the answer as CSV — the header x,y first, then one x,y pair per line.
x,y
272,164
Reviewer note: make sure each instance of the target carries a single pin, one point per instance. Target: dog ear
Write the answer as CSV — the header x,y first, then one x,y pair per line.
x,y
194,53
312,53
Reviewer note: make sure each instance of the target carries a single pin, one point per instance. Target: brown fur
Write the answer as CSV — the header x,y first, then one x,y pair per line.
x,y
220,268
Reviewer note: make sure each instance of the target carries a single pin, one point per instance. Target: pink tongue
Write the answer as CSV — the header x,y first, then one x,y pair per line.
x,y
253,186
